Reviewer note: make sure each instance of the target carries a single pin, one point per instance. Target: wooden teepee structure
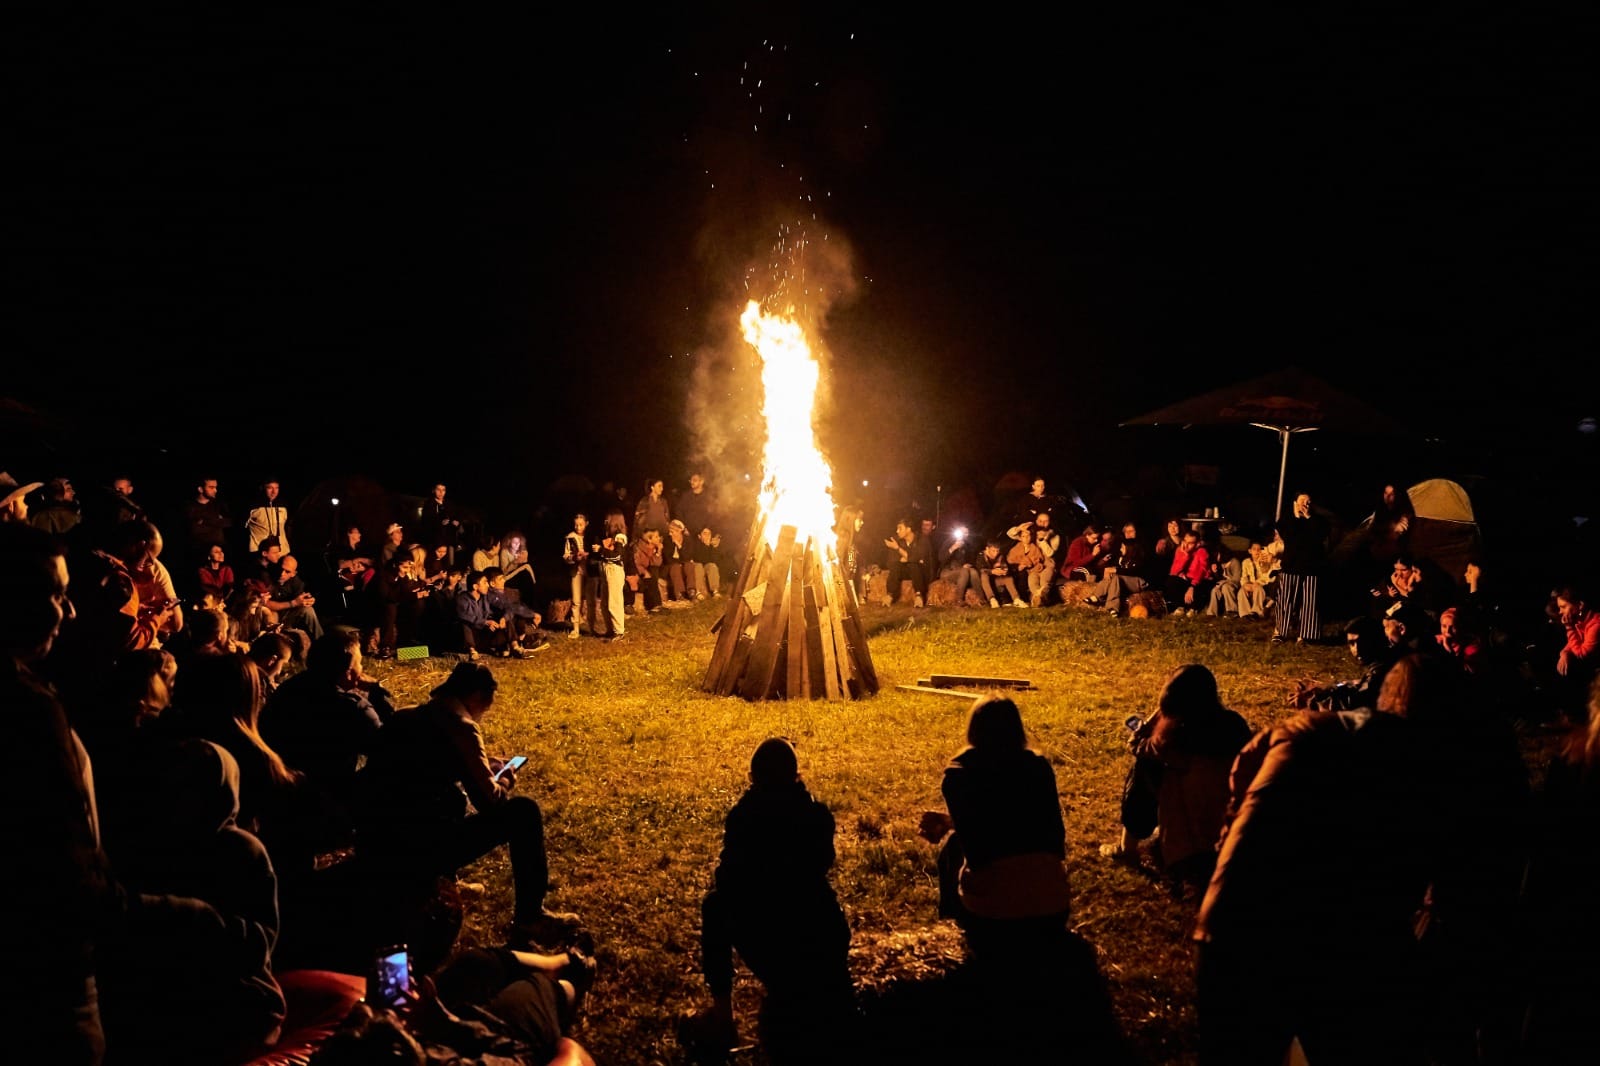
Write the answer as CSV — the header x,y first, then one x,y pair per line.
x,y
792,627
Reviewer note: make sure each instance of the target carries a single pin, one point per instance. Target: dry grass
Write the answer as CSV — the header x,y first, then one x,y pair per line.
x,y
636,768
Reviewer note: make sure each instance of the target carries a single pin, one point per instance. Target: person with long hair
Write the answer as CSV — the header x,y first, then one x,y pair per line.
x,y
1002,841
1179,778
848,552
580,574
612,549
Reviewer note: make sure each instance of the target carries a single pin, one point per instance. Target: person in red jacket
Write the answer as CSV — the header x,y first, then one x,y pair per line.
x,y
1189,577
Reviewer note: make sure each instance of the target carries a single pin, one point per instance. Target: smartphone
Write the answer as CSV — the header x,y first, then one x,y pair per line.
x,y
390,984
513,763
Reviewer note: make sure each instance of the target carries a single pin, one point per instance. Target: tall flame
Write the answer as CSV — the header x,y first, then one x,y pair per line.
x,y
796,487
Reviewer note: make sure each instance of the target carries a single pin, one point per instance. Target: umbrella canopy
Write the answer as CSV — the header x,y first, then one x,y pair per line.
x,y
1287,401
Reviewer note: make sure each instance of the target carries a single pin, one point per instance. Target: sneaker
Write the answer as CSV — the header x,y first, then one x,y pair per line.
x,y
543,645
616,637
579,970
888,601
1095,601
993,603
1277,639
917,602
1020,603
473,656
573,635
550,930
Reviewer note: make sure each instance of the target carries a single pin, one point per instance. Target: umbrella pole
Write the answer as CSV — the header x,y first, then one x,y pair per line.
x,y
1283,468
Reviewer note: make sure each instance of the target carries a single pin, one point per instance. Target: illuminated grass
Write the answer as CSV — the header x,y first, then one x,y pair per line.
x,y
636,769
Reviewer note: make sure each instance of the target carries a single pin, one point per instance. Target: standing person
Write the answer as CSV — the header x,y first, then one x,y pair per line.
x,y
772,903
580,574
849,550
694,506
1303,557
610,549
653,510
269,518
206,520
439,524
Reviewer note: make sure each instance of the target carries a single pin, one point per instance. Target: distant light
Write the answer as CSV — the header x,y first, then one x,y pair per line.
x,y
863,482
336,501
1587,425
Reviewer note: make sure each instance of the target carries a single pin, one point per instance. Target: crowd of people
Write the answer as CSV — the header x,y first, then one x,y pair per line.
x,y
1377,877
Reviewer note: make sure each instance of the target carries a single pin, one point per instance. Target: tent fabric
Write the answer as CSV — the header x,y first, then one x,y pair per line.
x,y
1441,499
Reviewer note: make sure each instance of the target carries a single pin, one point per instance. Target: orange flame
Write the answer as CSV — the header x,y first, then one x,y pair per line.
x,y
796,487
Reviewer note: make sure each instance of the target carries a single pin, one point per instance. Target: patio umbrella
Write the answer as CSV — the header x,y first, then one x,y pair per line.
x,y
1287,401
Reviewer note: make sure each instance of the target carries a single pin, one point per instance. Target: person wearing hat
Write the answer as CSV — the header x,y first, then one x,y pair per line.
x,y
677,557
394,538
14,505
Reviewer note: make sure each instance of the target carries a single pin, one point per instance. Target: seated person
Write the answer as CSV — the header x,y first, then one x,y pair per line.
x,y
1189,578
165,1004
478,625
771,901
994,571
1086,559
1028,563
412,801
1002,860
1227,575
1178,782
507,604
294,604
1132,569
958,565
907,558
1365,639
1258,572
485,1003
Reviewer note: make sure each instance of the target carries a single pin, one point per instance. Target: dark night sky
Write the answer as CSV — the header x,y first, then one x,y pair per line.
x,y
496,251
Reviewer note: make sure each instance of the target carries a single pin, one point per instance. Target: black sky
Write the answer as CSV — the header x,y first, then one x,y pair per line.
x,y
380,237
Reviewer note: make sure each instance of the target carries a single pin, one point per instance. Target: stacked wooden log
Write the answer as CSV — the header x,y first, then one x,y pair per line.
x,y
792,627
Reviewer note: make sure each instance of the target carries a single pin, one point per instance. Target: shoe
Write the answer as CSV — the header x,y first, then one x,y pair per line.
x,y
579,970
917,602
543,645
550,931
573,635
888,601
1095,601
1117,853
1276,639
1020,603
993,603
473,656
616,637
507,654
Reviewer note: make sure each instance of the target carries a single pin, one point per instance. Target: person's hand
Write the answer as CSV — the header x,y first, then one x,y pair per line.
x,y
934,825
1188,595
1564,661
1304,691
537,618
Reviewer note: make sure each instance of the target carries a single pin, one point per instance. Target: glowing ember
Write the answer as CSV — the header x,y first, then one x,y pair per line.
x,y
796,482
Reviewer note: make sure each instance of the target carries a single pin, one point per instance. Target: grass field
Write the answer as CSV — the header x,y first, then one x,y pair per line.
x,y
636,768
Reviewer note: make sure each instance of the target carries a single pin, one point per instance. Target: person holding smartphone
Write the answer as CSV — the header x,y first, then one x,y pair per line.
x,y
413,822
